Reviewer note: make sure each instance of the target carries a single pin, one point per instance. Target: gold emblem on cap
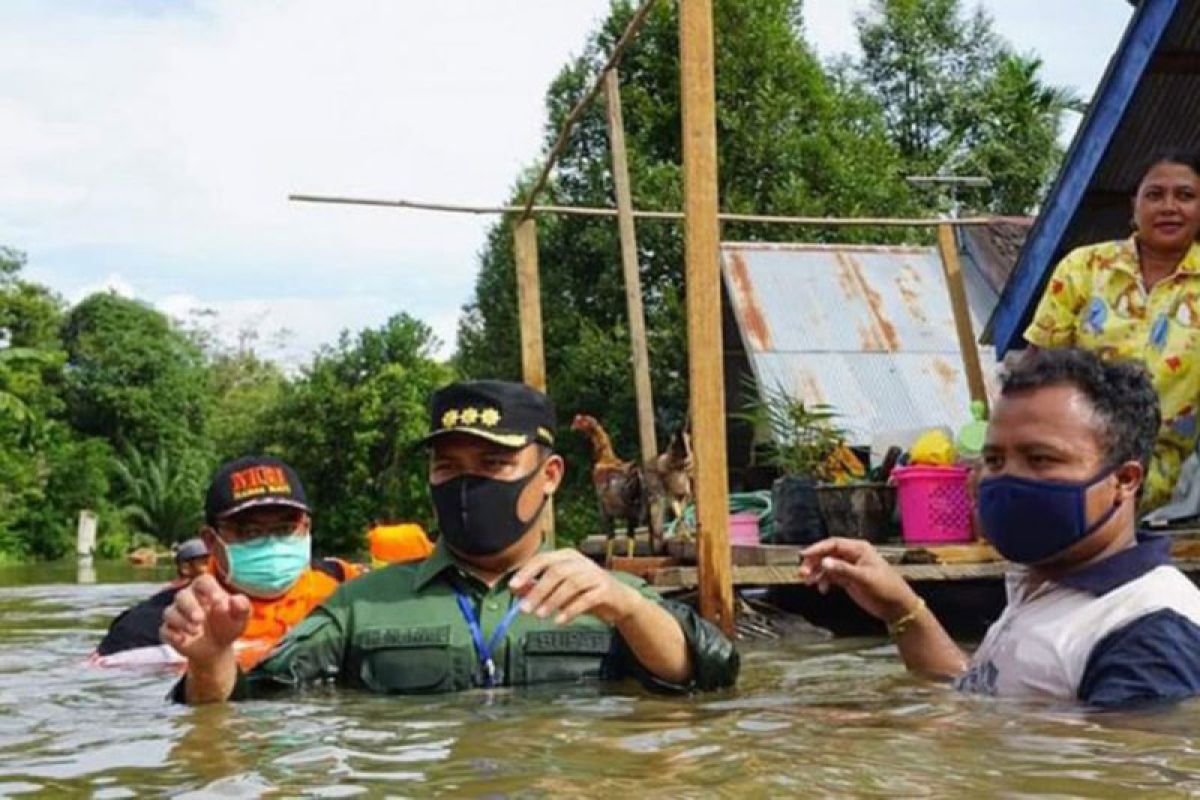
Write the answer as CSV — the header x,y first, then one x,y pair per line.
x,y
489,417
450,419
468,416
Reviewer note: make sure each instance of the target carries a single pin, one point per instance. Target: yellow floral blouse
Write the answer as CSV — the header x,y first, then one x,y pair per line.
x,y
1096,301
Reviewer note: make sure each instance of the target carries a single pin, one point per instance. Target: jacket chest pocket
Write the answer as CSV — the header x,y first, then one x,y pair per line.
x,y
565,655
405,660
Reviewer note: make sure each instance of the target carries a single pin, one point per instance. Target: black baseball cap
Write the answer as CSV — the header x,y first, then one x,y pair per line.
x,y
192,548
251,482
509,414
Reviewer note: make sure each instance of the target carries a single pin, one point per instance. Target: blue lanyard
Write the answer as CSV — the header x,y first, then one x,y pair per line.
x,y
485,648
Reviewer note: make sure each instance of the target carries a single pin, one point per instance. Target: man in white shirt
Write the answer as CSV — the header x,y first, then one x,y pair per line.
x,y
1096,613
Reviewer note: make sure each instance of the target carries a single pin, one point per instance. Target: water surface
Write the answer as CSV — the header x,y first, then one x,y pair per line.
x,y
814,718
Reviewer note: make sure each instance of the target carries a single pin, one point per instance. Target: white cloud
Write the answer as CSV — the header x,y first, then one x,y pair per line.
x,y
164,146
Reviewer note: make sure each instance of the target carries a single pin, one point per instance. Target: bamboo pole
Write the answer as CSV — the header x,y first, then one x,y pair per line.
x,y
948,248
705,356
529,308
591,211
560,143
633,284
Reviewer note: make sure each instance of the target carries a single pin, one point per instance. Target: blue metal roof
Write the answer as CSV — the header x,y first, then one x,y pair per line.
x,y
1149,99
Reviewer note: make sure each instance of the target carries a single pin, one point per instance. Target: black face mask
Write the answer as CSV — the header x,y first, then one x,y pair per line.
x,y
478,516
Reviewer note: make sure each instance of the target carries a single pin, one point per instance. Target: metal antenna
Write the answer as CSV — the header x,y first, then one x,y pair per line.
x,y
954,182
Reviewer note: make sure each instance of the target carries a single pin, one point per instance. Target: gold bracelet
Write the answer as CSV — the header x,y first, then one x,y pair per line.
x,y
897,628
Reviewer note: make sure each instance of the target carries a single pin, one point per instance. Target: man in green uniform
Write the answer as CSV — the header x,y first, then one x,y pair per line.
x,y
490,607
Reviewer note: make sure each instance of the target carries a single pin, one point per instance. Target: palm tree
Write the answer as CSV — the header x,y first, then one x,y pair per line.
x,y
162,495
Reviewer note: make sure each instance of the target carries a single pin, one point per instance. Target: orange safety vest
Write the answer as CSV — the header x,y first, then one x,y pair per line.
x,y
271,619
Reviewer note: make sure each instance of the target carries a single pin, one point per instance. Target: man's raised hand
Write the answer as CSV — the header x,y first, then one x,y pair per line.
x,y
204,620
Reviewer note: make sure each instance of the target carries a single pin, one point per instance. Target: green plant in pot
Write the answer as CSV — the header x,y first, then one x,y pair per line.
x,y
797,439
812,498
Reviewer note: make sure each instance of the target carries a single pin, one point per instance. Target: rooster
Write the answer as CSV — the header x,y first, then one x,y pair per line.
x,y
674,468
620,485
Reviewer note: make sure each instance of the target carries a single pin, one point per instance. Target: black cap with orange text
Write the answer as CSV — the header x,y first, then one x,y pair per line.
x,y
252,482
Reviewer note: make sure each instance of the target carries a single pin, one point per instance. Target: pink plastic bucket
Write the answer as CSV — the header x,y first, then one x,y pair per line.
x,y
934,504
743,528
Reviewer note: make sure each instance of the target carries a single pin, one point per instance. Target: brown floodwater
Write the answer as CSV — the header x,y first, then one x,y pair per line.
x,y
812,718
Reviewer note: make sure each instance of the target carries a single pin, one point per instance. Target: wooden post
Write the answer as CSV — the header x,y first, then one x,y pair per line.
x,y
633,287
705,355
529,309
948,247
529,304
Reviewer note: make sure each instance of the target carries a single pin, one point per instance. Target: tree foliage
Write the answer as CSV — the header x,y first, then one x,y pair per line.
x,y
163,494
47,471
134,378
246,391
957,100
348,424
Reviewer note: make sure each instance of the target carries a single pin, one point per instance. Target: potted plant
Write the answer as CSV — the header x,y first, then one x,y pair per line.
x,y
821,489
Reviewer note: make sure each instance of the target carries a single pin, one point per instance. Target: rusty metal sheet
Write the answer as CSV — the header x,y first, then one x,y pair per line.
x,y
804,298
868,330
875,392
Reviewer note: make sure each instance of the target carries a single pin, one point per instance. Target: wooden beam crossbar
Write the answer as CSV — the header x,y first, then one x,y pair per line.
x,y
675,216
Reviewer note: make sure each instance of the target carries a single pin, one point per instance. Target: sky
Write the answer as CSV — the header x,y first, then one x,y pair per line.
x,y
149,146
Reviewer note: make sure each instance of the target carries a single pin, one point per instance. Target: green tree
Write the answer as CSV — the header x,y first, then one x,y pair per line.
x,y
957,100
1015,138
77,477
348,424
246,391
47,471
134,378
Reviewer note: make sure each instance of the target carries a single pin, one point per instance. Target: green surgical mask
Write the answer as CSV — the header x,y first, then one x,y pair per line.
x,y
268,566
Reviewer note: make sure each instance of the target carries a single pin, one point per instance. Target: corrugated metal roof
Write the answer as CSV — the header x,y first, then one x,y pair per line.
x,y
1148,100
868,330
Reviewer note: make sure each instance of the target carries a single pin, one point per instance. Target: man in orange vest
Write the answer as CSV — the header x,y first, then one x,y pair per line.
x,y
257,531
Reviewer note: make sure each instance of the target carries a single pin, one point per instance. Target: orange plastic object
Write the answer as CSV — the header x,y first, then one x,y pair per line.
x,y
397,544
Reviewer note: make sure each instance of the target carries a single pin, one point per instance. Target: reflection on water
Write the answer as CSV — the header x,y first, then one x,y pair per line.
x,y
815,719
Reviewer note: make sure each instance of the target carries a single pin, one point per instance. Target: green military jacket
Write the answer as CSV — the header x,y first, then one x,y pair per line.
x,y
400,630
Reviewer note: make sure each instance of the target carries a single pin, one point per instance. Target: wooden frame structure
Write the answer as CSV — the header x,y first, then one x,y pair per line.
x,y
702,219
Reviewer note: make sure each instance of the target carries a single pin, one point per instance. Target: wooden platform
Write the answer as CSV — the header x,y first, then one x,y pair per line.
x,y
776,565
685,577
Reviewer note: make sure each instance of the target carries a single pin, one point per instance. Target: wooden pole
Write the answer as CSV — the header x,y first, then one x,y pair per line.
x,y
590,211
948,247
633,281
705,356
529,310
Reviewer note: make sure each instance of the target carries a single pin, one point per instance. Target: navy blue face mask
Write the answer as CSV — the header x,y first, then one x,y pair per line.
x,y
1030,521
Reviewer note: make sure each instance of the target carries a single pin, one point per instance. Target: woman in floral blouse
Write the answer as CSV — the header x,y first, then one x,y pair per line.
x,y
1140,299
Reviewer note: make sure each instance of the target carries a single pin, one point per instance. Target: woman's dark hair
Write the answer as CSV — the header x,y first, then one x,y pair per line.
x,y
1120,392
1170,155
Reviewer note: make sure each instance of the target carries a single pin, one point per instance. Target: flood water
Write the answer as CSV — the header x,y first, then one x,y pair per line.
x,y
829,718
